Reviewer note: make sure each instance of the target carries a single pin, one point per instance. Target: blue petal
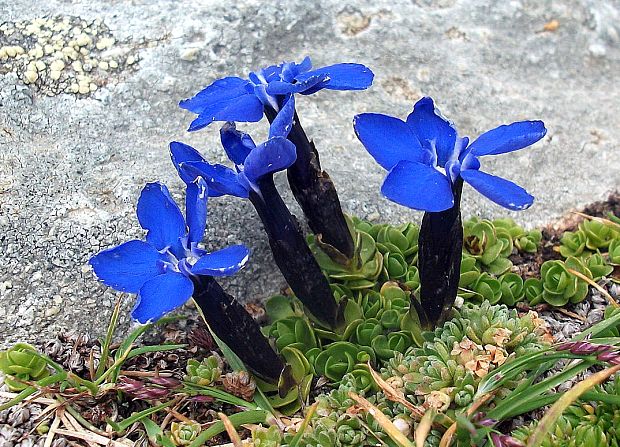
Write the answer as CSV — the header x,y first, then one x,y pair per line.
x,y
236,144
182,153
388,139
160,215
342,76
499,190
283,122
418,186
223,262
508,138
161,295
196,209
279,87
220,179
220,91
273,155
246,108
433,130
127,267
292,70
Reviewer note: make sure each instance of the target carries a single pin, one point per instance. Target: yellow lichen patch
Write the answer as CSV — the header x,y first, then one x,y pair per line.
x,y
53,54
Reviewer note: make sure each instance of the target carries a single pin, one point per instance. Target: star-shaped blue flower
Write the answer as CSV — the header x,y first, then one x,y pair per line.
x,y
237,99
159,269
425,157
251,161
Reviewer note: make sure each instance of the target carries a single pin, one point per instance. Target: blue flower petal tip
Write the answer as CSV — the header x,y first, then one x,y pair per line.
x,y
244,100
429,140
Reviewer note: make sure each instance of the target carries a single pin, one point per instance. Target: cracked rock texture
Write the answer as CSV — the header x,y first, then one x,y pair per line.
x,y
71,167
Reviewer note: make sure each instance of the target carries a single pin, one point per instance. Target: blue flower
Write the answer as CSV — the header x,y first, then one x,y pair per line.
x,y
425,157
251,161
237,99
159,269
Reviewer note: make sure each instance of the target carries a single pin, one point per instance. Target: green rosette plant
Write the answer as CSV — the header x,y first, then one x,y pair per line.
x,y
444,373
598,266
614,252
524,241
590,422
340,358
204,373
359,272
266,437
490,246
402,239
512,288
598,234
469,274
302,372
573,243
561,287
183,433
295,332
486,287
533,288
22,363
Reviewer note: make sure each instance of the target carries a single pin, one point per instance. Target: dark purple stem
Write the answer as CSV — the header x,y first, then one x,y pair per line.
x,y
315,192
440,246
229,320
292,255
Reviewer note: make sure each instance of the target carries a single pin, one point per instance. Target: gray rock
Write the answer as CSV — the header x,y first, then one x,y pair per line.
x,y
71,166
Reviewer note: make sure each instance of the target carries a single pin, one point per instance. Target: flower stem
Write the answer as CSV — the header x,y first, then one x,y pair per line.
x,y
235,326
292,255
315,192
440,247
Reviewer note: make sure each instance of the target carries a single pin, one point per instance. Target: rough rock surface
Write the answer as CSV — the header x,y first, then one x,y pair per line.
x,y
72,165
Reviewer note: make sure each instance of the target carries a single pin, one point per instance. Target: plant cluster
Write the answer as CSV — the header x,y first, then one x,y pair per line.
x,y
592,422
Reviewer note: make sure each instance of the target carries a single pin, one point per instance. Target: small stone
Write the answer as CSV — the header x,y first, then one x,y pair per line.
x,y
48,49
103,65
113,64
92,87
55,75
57,65
83,40
130,60
40,65
10,51
105,42
31,76
77,66
190,54
74,88
84,88
51,311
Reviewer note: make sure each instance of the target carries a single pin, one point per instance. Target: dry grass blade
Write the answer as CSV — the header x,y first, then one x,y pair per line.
x,y
230,429
604,292
37,400
571,314
392,431
91,438
424,428
552,415
394,395
50,434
